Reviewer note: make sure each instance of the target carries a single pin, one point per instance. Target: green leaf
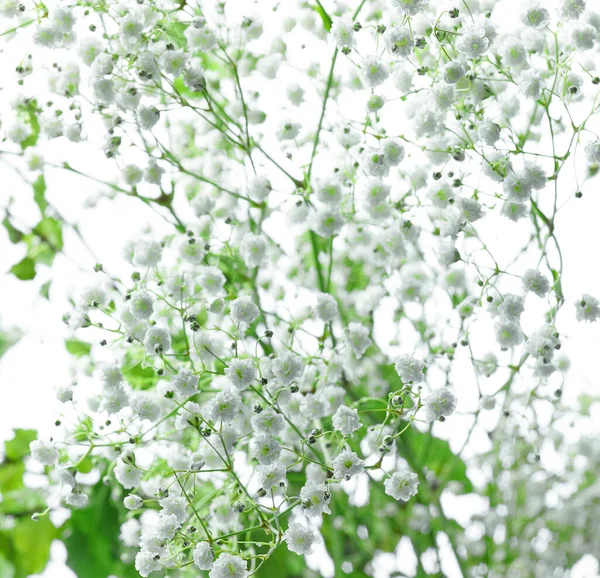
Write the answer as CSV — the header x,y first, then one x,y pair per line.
x,y
327,22
11,478
176,33
18,447
50,230
45,290
8,339
136,373
29,111
7,569
32,542
92,536
22,502
78,348
434,454
14,235
39,194
24,270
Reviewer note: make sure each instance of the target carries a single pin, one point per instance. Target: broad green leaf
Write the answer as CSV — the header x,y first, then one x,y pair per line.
x,y
78,348
11,478
22,502
50,230
24,270
134,372
32,542
14,235
92,536
18,447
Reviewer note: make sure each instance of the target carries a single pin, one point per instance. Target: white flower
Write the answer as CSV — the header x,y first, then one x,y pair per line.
x,y
315,499
374,71
147,253
288,130
268,422
270,476
587,308
253,249
127,474
244,311
203,556
141,305
265,449
145,563
133,502
488,132
229,566
357,337
327,307
346,421
453,72
299,538
573,9
287,367
592,151
44,452
410,369
410,7
402,485
197,462
508,333
439,403
533,281
145,405
399,41
531,83
224,406
473,41
241,373
535,16
517,186
347,464
342,30
259,188
328,223
147,116
166,527
330,192
157,340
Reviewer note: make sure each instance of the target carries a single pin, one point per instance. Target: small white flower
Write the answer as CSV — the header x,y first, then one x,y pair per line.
x,y
346,421
44,452
203,556
145,563
244,311
587,308
374,71
347,464
229,566
157,340
133,502
315,499
270,476
402,485
299,538
241,373
440,403
410,369
535,282
357,337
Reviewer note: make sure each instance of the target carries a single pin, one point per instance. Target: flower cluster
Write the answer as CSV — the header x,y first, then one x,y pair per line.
x,y
297,342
